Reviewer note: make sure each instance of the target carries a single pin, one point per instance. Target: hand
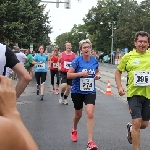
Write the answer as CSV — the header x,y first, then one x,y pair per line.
x,y
7,96
97,77
85,73
121,91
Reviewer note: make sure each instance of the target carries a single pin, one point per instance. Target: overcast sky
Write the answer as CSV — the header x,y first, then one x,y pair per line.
x,y
64,19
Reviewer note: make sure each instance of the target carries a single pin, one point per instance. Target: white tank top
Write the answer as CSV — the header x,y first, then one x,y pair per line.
x,y
2,58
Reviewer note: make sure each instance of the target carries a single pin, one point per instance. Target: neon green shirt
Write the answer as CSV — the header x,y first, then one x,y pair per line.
x,y
132,62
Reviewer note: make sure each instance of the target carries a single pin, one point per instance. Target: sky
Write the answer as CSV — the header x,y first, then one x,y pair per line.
x,y
62,20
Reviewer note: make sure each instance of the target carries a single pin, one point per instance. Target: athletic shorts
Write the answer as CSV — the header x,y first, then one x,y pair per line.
x,y
78,99
64,79
40,77
139,107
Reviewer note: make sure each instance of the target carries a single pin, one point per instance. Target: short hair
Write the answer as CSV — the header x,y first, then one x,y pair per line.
x,y
84,41
56,47
141,33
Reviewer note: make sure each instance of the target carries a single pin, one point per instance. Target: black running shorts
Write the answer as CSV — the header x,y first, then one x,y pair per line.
x,y
139,107
78,99
64,79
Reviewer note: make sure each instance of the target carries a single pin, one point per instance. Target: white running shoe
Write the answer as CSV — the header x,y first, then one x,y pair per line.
x,y
65,102
60,100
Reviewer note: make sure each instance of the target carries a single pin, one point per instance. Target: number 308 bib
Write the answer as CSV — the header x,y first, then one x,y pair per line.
x,y
141,78
87,84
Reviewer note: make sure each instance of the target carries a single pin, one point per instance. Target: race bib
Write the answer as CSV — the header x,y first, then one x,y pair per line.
x,y
55,65
67,64
86,84
141,78
40,66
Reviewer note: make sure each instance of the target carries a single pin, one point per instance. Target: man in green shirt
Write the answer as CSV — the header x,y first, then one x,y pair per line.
x,y
28,64
137,64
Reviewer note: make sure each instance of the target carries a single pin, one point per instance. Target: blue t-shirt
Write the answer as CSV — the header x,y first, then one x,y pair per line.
x,y
84,85
41,67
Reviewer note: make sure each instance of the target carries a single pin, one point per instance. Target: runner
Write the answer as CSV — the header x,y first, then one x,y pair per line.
x,y
84,71
137,65
21,57
40,70
9,59
29,65
65,60
53,63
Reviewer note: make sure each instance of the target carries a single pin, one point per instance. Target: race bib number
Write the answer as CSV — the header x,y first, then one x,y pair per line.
x,y
55,65
40,66
67,64
86,84
141,78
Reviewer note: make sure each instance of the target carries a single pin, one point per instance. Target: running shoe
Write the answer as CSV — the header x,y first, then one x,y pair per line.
x,y
42,97
91,146
53,91
74,135
37,91
56,91
65,102
61,100
129,138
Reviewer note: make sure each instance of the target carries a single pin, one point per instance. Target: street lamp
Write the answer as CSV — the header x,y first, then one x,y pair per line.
x,y
112,39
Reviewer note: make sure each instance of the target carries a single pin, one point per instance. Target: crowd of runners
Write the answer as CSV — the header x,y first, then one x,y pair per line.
x,y
75,75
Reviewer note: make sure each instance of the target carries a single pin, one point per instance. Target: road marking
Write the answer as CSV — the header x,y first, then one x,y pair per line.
x,y
100,90
123,78
23,102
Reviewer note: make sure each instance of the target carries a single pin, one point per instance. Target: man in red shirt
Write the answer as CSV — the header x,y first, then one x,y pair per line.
x,y
65,59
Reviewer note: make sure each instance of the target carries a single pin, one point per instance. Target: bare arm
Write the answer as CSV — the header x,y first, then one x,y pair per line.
x,y
11,137
59,61
25,60
72,75
19,136
24,78
49,60
97,74
118,78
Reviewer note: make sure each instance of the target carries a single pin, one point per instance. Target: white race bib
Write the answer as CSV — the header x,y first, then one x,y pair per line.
x,y
141,78
55,65
40,66
87,84
67,64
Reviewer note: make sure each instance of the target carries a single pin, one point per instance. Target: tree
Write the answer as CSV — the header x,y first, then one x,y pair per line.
x,y
127,16
77,33
24,22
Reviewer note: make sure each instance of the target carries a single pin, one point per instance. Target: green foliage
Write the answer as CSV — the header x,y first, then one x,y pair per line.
x,y
24,22
127,16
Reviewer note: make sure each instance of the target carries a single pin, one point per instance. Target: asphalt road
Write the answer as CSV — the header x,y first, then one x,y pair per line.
x,y
50,123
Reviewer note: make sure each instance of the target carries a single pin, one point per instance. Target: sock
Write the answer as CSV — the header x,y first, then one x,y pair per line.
x,y
62,94
65,96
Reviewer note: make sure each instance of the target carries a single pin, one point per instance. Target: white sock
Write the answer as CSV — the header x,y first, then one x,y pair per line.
x,y
130,128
